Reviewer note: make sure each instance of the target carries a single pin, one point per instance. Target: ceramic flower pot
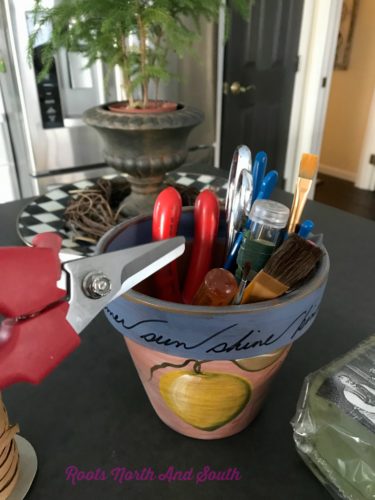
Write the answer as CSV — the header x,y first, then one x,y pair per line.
x,y
145,146
207,370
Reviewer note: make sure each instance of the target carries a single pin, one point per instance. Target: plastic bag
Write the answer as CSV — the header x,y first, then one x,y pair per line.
x,y
334,426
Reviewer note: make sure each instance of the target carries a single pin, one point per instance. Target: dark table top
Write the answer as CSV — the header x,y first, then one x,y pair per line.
x,y
92,412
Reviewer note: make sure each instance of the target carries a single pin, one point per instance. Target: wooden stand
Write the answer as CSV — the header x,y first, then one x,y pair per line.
x,y
9,458
18,461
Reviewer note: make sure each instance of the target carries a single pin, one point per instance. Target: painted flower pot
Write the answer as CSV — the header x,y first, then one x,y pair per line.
x,y
207,370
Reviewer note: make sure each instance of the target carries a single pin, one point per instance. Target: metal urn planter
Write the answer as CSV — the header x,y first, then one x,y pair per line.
x,y
145,146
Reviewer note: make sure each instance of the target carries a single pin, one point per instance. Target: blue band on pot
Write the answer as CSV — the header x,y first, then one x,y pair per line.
x,y
215,336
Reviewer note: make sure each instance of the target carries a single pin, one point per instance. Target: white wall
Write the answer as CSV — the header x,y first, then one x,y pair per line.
x,y
320,24
350,100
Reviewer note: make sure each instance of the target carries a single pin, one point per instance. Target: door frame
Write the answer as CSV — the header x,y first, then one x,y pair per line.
x,y
9,188
365,178
319,31
219,84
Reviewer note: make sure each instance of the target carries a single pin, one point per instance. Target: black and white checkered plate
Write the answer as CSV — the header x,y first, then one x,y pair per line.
x,y
46,213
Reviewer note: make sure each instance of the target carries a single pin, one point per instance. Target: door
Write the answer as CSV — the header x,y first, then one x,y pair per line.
x,y
260,62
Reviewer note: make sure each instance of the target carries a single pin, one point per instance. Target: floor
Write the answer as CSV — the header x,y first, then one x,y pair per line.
x,y
342,194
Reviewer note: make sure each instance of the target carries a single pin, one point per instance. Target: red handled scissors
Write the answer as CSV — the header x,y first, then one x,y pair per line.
x,y
42,320
206,224
165,221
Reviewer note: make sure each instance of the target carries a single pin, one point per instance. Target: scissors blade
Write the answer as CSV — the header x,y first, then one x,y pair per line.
x,y
107,276
62,283
241,160
240,207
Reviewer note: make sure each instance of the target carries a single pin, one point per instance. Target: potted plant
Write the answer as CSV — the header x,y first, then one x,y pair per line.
x,y
143,136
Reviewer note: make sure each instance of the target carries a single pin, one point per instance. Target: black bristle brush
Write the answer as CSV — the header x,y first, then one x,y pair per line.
x,y
294,260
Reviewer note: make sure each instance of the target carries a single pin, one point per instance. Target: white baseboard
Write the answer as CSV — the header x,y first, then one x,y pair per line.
x,y
337,172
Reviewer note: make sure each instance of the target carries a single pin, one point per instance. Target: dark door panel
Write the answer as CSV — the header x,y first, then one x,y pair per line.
x,y
261,53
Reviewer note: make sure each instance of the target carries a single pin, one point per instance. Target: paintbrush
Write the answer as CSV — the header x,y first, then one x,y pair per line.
x,y
294,260
244,281
307,170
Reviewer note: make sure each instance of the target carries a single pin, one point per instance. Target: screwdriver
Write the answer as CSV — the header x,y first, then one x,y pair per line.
x,y
218,288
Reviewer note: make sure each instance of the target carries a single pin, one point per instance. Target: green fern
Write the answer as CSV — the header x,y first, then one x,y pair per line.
x,y
104,29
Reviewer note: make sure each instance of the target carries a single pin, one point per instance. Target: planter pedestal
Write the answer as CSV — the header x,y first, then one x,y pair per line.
x,y
145,146
144,191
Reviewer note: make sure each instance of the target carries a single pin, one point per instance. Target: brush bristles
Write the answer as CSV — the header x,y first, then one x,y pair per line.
x,y
293,261
308,166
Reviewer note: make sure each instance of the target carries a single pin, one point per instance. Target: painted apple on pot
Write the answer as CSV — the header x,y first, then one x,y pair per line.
x,y
206,401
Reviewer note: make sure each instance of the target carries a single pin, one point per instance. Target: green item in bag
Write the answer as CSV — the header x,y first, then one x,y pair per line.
x,y
334,427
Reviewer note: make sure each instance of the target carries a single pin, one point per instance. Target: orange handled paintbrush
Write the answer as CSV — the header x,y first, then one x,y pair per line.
x,y
307,170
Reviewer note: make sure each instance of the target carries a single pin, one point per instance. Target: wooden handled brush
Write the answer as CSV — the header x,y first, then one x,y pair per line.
x,y
288,266
307,170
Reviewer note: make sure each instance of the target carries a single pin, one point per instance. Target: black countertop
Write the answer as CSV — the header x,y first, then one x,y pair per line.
x,y
92,412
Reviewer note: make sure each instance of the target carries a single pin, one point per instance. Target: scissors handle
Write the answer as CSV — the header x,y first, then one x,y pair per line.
x,y
165,221
206,224
30,348
36,346
29,276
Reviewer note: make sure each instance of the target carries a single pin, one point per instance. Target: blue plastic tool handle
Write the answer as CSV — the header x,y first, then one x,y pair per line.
x,y
232,256
259,169
266,188
305,228
268,185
